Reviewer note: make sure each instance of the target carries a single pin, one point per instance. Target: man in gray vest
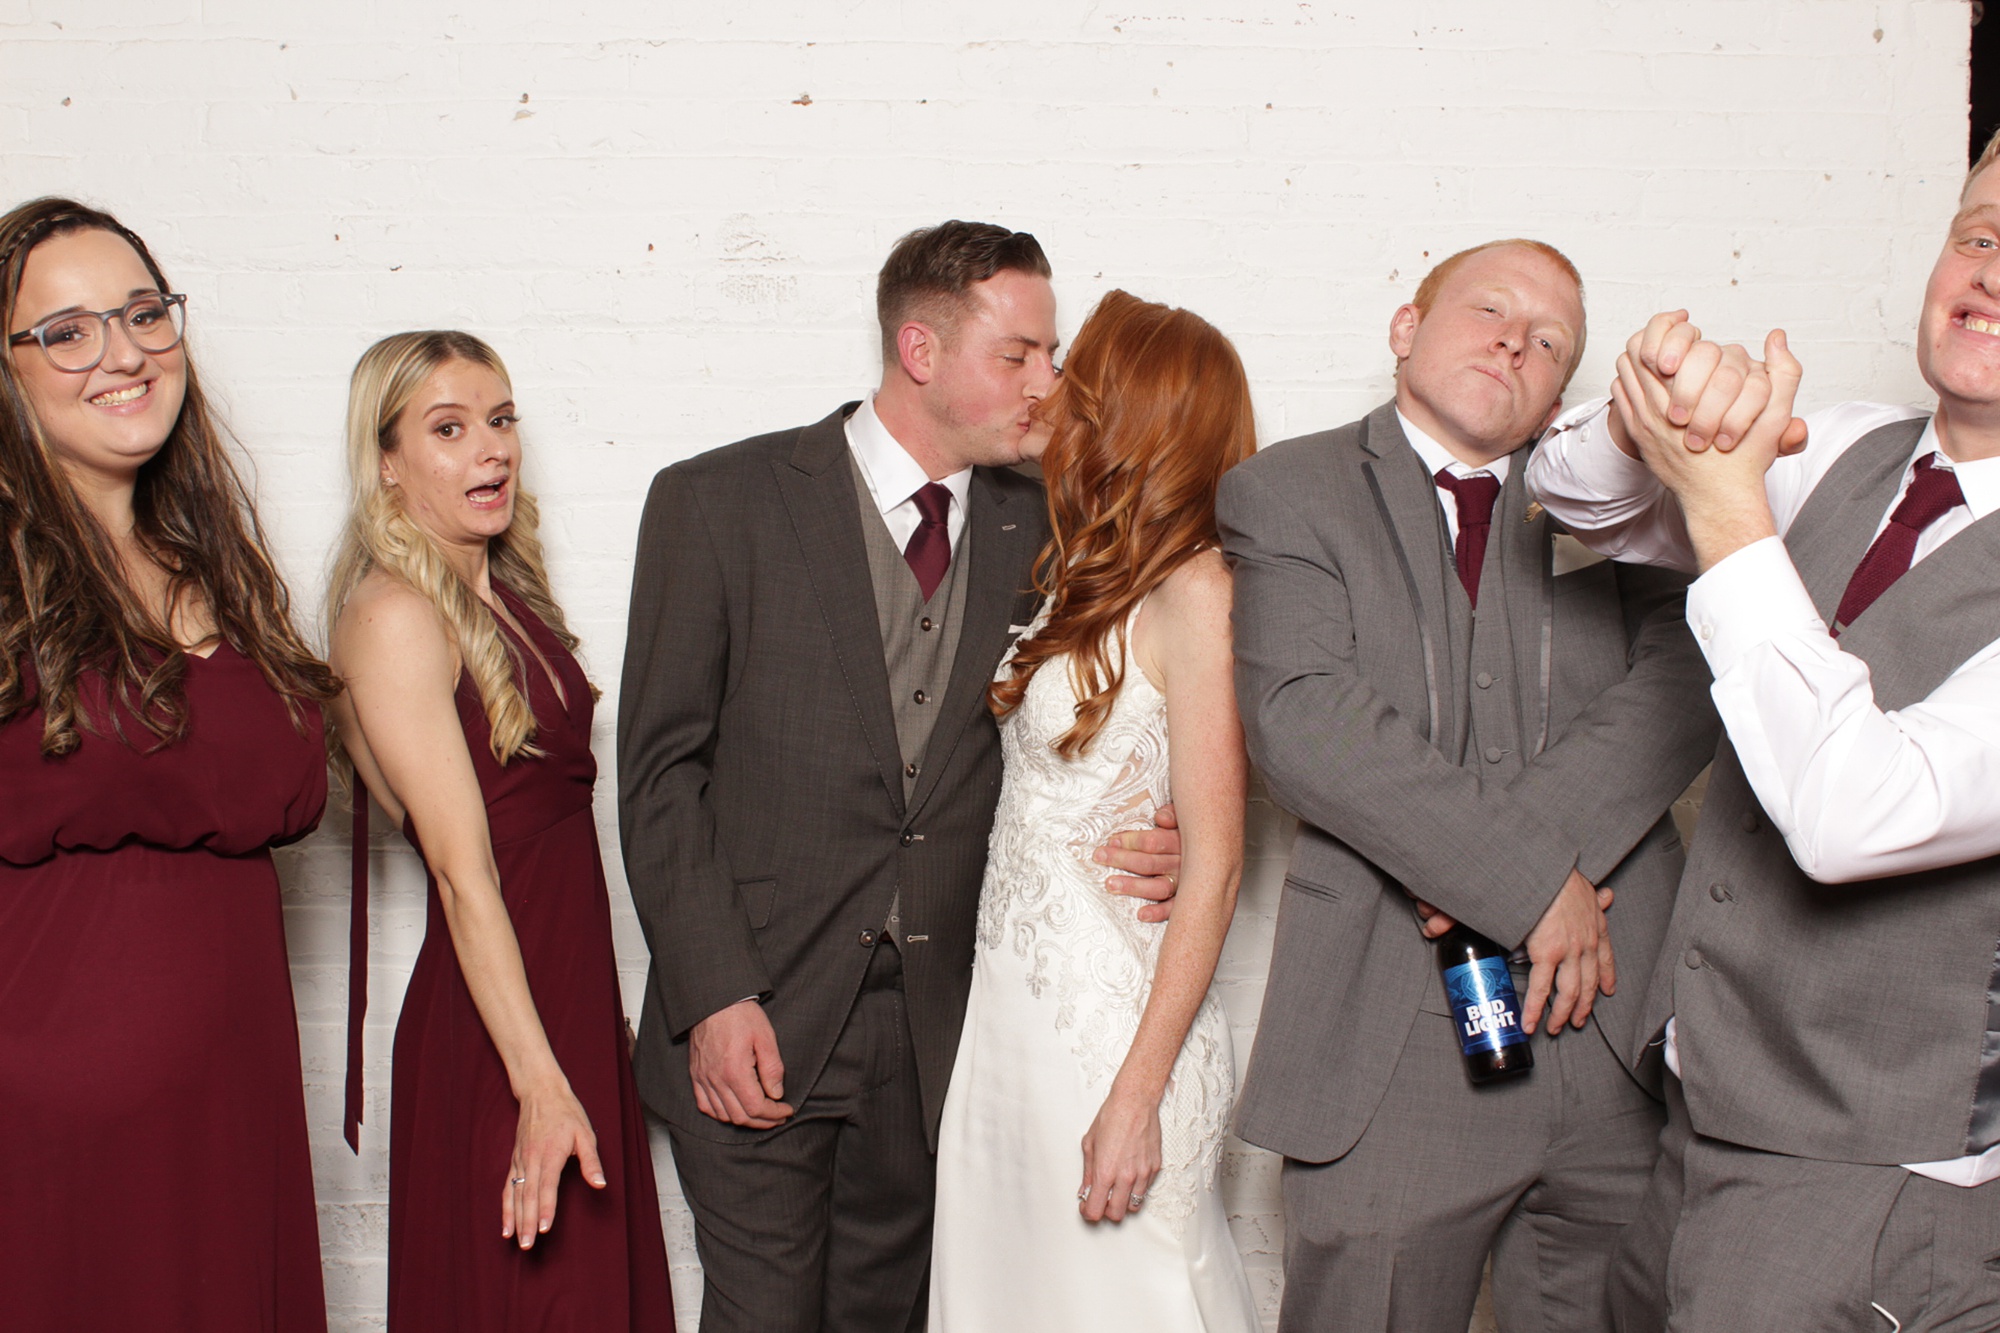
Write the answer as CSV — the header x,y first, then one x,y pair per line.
x,y
807,775
1463,707
1830,991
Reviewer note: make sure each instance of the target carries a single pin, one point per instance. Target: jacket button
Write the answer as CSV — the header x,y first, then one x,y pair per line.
x,y
922,697
908,837
1483,680
927,624
867,939
1750,821
909,770
1719,892
1494,754
1692,958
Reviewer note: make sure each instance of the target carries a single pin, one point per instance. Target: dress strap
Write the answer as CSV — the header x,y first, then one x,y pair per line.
x,y
357,966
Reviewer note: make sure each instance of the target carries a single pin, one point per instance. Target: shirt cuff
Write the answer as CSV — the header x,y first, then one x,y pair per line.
x,y
1746,600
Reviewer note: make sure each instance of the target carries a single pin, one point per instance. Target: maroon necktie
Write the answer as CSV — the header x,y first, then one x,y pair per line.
x,y
1475,496
1933,493
929,551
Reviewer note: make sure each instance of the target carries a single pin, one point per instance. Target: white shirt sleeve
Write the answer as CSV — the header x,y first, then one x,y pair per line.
x,y
1857,792
1616,507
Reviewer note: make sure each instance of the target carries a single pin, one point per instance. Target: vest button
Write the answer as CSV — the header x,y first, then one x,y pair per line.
x,y
867,939
927,624
923,698
908,837
1483,680
1719,892
909,770
1494,754
1750,822
1692,958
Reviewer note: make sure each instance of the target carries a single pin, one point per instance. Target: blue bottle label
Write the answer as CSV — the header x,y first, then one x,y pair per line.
x,y
1482,1000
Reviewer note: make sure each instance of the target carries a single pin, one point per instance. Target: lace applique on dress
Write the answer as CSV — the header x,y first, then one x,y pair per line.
x,y
1090,959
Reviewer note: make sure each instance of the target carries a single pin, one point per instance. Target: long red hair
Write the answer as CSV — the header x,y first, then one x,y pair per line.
x,y
1152,409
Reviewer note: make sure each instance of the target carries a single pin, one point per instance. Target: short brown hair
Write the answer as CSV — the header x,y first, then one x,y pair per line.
x,y
928,274
1427,290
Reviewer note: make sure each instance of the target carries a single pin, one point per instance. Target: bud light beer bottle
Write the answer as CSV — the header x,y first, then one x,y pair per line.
x,y
1485,1011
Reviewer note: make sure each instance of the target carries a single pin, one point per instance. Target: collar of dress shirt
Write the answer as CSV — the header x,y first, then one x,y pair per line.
x,y
892,475
1438,458
1978,480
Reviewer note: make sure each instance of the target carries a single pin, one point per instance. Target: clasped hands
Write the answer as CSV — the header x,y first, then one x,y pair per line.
x,y
733,1059
1708,421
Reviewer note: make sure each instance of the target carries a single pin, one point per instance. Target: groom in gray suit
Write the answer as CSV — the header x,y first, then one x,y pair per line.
x,y
807,775
1472,722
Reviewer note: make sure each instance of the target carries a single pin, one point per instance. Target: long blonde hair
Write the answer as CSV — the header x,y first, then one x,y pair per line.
x,y
380,535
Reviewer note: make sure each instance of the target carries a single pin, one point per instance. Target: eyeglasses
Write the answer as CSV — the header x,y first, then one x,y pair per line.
x,y
77,340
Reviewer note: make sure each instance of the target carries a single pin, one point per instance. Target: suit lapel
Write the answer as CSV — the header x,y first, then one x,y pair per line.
x,y
1525,549
993,583
818,490
1406,498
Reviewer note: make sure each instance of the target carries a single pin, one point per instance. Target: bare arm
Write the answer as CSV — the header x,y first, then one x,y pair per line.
x,y
1181,641
398,719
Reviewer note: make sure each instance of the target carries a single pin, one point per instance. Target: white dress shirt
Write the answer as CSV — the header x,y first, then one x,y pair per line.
x,y
1436,458
894,478
1857,792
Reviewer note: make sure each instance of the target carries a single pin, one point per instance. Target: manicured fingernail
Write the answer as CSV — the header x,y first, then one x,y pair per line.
x,y
599,1180
1101,855
1680,416
1724,441
544,1226
1695,441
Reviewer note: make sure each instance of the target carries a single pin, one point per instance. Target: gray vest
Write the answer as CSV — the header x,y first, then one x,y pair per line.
x,y
1846,1022
919,638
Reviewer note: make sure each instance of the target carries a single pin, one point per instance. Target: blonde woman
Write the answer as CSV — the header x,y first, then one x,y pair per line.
x,y
468,719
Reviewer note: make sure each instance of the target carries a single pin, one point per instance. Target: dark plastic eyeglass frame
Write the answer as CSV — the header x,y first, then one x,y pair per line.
x,y
39,334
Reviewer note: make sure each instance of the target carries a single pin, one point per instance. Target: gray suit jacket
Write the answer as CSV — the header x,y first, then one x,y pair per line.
x,y
1472,761
761,800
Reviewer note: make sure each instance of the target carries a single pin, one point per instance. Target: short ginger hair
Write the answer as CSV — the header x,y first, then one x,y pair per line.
x,y
1434,281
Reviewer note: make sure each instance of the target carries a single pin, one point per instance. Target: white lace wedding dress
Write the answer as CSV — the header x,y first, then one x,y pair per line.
x,y
1060,978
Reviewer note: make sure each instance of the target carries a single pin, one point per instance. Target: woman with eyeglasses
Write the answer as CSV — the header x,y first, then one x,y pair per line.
x,y
160,732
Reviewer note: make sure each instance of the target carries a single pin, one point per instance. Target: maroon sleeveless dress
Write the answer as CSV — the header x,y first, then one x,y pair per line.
x,y
603,1267
152,1121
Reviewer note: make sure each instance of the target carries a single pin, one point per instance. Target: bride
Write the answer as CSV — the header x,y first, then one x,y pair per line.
x,y
1078,1154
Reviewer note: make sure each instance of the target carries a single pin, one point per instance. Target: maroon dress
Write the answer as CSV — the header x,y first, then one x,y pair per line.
x,y
152,1122
603,1267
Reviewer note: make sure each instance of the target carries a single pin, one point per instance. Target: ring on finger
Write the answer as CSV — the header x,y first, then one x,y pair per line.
x,y
520,1180
1083,1195
1135,1201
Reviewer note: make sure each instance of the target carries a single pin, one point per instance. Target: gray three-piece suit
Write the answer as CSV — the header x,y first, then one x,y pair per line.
x,y
1830,1032
1471,760
807,777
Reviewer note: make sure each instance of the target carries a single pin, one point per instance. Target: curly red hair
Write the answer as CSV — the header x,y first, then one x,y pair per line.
x,y
1152,409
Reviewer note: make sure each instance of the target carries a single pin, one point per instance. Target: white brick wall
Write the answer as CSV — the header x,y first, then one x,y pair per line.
x,y
668,221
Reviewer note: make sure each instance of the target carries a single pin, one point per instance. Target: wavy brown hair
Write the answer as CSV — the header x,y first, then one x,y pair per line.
x,y
1152,409
66,609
